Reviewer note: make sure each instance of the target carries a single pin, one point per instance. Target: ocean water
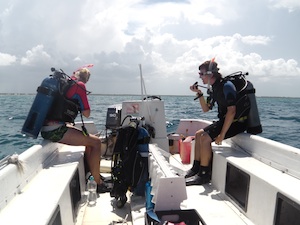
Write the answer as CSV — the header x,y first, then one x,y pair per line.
x,y
279,117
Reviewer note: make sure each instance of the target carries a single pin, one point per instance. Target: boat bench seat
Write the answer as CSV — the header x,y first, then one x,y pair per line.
x,y
54,191
208,201
261,184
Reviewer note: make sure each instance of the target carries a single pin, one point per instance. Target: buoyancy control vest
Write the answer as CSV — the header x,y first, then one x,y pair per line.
x,y
64,109
130,159
50,103
246,101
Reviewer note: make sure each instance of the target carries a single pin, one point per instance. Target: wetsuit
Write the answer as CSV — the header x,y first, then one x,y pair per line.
x,y
78,92
54,130
225,95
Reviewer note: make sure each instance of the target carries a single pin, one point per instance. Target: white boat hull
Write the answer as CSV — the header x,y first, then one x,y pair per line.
x,y
254,180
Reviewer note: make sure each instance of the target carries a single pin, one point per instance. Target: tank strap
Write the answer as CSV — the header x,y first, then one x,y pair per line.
x,y
84,130
245,92
144,140
251,91
45,91
241,119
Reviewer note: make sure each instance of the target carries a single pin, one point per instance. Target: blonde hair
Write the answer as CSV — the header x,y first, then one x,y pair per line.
x,y
82,74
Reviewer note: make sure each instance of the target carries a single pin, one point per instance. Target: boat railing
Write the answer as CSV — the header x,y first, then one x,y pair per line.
x,y
277,155
4,162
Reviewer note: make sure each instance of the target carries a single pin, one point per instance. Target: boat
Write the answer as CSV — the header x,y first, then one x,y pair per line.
x,y
255,180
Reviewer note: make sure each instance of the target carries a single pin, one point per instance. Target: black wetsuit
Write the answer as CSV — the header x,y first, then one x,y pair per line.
x,y
225,95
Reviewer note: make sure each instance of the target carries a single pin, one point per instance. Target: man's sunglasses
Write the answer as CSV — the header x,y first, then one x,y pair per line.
x,y
206,73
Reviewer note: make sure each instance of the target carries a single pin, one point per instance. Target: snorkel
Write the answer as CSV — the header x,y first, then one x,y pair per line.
x,y
209,72
85,66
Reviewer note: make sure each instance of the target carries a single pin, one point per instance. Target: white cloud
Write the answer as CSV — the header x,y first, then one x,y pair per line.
x,y
77,59
268,69
291,5
36,56
7,59
255,40
170,39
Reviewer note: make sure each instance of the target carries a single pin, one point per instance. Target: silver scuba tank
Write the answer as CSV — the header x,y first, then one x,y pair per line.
x,y
254,125
40,106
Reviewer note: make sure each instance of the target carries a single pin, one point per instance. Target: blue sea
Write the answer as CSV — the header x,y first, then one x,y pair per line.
x,y
280,117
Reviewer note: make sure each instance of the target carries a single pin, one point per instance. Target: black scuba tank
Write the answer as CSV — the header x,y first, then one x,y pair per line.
x,y
254,125
41,105
245,87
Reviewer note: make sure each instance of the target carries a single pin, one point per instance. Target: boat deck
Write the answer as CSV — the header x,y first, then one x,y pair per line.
x,y
209,203
105,210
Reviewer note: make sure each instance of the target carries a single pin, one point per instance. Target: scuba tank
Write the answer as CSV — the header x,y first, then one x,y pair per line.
x,y
245,87
254,125
41,105
143,142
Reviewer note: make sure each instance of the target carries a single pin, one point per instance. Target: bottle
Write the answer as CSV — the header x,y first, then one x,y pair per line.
x,y
92,188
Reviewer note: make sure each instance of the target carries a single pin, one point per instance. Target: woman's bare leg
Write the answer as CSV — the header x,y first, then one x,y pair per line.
x,y
75,137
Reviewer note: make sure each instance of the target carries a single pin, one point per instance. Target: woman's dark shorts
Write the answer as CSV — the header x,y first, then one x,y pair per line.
x,y
55,135
236,127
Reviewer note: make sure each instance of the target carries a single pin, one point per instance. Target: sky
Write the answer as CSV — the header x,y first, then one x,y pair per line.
x,y
169,39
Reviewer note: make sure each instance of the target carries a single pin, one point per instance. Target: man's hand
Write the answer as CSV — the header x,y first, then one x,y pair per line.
x,y
219,139
194,88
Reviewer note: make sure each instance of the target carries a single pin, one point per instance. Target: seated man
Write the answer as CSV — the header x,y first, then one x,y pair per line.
x,y
224,93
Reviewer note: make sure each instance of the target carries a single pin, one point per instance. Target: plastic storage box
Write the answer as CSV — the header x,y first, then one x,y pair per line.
x,y
188,217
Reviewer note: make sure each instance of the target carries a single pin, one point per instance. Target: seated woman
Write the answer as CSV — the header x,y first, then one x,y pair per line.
x,y
58,130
